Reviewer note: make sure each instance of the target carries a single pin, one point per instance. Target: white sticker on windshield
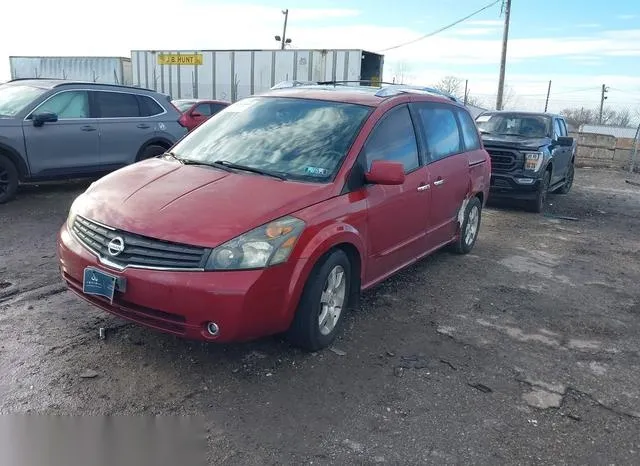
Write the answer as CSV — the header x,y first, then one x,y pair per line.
x,y
316,171
483,118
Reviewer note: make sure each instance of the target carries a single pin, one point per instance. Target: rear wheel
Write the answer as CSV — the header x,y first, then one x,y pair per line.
x,y
323,303
152,150
469,228
8,179
537,205
566,187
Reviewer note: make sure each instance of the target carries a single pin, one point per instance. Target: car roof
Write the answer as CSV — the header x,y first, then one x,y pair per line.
x,y
199,101
51,83
371,96
523,113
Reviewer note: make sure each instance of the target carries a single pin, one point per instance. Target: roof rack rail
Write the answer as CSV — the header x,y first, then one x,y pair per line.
x,y
395,89
65,82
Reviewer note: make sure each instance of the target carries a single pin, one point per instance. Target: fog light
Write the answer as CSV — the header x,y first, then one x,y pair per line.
x,y
524,180
213,329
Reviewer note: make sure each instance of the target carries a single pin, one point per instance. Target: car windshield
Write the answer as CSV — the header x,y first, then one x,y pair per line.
x,y
530,126
183,105
13,99
298,139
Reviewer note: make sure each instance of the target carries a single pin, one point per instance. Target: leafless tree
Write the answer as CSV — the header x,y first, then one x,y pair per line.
x,y
401,72
586,116
451,85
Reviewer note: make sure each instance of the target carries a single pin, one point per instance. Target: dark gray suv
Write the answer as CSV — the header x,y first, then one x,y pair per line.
x,y
56,129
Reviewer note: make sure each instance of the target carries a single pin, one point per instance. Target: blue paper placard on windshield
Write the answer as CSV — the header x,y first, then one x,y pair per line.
x,y
99,283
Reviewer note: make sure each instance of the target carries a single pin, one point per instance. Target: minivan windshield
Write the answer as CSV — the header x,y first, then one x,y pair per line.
x,y
299,139
514,124
14,98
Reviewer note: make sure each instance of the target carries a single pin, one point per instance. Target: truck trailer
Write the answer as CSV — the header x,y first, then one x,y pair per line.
x,y
108,70
234,74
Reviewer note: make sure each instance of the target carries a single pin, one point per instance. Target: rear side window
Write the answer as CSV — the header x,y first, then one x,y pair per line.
x,y
394,140
148,106
117,105
441,130
203,109
563,128
215,108
469,131
557,128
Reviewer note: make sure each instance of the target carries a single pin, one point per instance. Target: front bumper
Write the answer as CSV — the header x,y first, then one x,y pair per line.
x,y
244,304
507,186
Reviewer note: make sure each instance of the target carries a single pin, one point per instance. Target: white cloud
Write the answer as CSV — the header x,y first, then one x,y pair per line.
x,y
589,26
627,17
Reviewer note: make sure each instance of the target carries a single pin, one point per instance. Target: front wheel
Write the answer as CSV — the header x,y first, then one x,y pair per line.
x,y
537,205
8,179
323,303
152,150
469,228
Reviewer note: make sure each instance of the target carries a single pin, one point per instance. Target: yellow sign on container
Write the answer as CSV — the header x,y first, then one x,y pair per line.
x,y
180,59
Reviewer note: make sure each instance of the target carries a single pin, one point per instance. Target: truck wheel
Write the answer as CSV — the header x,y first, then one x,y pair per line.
x,y
323,303
566,187
537,205
469,228
152,150
8,179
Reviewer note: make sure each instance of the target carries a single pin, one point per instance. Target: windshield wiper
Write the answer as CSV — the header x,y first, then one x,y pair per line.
x,y
259,171
173,156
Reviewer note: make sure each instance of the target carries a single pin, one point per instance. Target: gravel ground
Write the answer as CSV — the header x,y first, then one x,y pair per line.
x,y
525,351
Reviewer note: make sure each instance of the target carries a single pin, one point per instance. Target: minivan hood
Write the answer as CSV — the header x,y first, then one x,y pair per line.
x,y
515,142
194,205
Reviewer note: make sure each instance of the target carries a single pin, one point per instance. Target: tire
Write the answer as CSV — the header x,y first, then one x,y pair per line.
x,y
150,151
538,204
8,179
470,227
566,187
319,315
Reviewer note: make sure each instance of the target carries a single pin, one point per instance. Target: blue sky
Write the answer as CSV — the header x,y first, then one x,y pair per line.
x,y
579,45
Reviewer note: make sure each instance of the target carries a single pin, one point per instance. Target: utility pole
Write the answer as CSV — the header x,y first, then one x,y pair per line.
x,y
466,92
284,30
506,4
546,104
605,89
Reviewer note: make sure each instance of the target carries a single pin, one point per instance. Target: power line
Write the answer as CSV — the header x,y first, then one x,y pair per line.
x,y
449,26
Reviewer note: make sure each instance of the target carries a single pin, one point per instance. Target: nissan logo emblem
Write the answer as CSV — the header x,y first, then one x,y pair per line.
x,y
115,246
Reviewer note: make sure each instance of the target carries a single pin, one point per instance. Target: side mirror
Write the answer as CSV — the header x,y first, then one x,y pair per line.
x,y
385,172
565,141
196,115
40,119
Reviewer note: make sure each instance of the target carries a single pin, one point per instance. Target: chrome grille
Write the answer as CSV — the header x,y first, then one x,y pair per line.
x,y
502,160
139,251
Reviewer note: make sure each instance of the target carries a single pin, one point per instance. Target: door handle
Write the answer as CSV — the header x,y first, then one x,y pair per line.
x,y
144,126
438,182
423,187
88,128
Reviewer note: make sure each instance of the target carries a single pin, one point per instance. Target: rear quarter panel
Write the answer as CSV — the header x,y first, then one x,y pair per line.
x,y
12,141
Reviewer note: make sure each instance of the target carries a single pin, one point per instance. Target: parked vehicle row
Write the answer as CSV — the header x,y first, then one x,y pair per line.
x,y
274,214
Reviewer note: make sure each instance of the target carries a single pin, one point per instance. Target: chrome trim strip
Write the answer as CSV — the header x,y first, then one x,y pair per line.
x,y
164,110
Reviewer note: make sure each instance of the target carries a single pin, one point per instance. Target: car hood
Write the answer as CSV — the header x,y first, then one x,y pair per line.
x,y
194,205
516,142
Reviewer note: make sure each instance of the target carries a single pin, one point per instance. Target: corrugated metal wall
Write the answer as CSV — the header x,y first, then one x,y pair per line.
x,y
113,70
232,75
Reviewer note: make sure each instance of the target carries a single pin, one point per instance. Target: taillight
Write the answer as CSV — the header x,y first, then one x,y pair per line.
x,y
183,120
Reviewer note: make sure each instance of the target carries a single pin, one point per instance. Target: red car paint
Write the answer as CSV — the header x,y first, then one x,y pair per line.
x,y
197,111
384,227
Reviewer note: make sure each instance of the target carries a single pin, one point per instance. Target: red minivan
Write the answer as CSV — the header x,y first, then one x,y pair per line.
x,y
274,214
197,111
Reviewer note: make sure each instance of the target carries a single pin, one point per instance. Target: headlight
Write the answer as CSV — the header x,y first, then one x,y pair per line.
x,y
533,161
264,246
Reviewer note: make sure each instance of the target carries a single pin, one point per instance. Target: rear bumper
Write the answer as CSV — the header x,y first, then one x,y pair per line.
x,y
244,304
506,186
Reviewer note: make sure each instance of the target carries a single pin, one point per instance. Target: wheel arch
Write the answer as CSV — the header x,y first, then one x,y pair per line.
x,y
155,141
18,161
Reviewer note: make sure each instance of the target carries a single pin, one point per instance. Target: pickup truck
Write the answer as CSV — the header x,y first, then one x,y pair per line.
x,y
531,155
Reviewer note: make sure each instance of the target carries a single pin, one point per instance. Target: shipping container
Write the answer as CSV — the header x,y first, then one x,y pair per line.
x,y
109,70
233,74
